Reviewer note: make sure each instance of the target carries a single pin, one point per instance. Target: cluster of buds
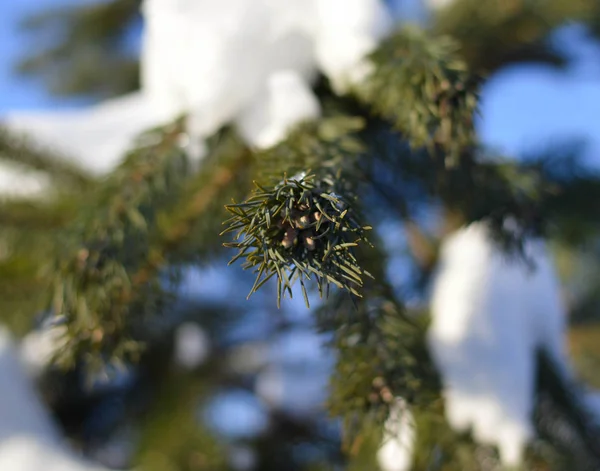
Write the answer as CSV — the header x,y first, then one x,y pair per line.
x,y
299,230
381,392
301,227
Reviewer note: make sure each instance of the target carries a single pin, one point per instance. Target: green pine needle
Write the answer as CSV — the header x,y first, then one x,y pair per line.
x,y
424,88
299,230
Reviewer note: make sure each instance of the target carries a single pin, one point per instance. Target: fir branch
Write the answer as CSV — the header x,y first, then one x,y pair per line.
x,y
225,175
175,230
330,143
381,355
110,285
297,230
306,226
497,33
423,87
93,276
29,215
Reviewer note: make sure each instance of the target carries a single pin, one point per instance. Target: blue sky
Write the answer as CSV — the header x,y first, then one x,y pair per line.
x,y
522,108
15,92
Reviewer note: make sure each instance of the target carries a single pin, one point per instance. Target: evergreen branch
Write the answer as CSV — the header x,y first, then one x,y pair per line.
x,y
28,215
496,33
330,143
306,226
19,149
111,284
161,446
298,230
225,176
422,87
378,329
172,235
23,291
106,246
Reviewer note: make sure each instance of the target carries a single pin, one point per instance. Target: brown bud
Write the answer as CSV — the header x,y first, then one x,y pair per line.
x,y
378,382
97,336
303,222
387,395
289,237
309,242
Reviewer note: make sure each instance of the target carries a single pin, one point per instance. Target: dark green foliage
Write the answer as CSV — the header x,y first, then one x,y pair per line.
x,y
497,33
299,230
104,255
424,88
200,450
114,265
305,226
101,266
563,421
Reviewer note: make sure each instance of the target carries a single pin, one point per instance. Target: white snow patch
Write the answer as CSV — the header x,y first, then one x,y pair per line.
x,y
285,101
489,315
21,411
216,59
23,453
231,61
29,440
94,138
39,346
345,39
16,181
396,450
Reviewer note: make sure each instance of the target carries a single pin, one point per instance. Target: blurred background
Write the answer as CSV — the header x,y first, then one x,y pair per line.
x,y
256,376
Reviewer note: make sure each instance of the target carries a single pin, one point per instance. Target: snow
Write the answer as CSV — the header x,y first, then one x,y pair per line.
x,y
39,346
22,453
231,61
214,60
17,182
285,101
94,138
21,411
396,450
29,440
490,313
344,40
